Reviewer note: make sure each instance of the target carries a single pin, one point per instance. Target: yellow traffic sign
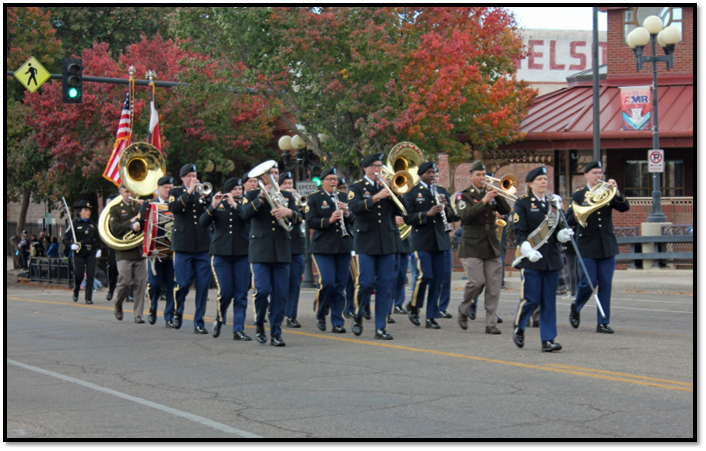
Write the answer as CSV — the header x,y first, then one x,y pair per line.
x,y
32,74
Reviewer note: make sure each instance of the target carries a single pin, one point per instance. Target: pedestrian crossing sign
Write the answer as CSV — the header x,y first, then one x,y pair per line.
x,y
32,74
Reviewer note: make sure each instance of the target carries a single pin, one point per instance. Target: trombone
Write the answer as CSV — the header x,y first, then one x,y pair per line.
x,y
506,187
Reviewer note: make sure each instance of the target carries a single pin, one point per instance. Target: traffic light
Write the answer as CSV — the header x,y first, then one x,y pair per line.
x,y
316,180
72,80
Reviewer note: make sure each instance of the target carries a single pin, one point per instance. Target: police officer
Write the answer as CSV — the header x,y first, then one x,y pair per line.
x,y
480,247
85,251
132,266
229,256
429,243
598,247
540,270
375,244
296,269
445,295
270,255
161,273
190,243
330,249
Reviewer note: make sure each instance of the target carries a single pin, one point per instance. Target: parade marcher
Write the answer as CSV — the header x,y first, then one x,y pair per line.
x,y
229,256
445,294
249,184
540,269
398,292
190,243
86,251
161,273
573,267
330,249
270,255
430,241
132,266
296,269
480,247
350,283
375,244
598,247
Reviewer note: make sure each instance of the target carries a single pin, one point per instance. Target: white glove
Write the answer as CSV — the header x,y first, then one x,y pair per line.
x,y
530,253
564,235
74,247
557,201
98,254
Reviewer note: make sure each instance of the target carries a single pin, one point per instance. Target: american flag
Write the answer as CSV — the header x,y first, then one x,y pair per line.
x,y
153,135
123,139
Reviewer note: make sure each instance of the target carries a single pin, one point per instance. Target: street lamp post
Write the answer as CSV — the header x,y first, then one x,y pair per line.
x,y
652,32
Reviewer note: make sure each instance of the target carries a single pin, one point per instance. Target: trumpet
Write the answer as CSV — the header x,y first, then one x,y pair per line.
x,y
507,186
301,200
203,189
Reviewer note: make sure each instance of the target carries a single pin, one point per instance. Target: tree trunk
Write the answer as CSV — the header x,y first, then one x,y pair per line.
x,y
21,221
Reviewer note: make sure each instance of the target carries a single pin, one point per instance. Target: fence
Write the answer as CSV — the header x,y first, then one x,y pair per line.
x,y
678,230
57,271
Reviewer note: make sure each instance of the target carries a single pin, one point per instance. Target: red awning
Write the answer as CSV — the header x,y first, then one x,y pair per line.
x,y
564,120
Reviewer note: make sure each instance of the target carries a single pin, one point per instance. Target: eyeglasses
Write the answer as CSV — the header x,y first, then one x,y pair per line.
x,y
376,165
331,179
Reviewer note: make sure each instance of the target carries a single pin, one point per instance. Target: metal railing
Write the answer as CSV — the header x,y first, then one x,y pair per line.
x,y
52,270
678,230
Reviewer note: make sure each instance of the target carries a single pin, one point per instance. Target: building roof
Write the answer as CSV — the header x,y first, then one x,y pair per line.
x,y
563,119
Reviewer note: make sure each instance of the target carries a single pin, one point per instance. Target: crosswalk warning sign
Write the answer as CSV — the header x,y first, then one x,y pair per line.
x,y
32,74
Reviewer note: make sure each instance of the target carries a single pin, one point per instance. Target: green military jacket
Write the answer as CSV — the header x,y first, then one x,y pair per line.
x,y
479,238
120,224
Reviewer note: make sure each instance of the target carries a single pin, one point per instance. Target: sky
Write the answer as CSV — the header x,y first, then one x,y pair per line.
x,y
549,17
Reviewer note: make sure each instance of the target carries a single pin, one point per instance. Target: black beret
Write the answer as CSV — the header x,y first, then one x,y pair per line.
x,y
424,167
284,176
327,172
84,204
592,165
370,159
231,183
246,177
186,169
341,181
477,166
534,173
166,180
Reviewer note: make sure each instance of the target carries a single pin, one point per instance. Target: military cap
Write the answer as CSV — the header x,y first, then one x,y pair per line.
x,y
84,204
231,183
328,172
341,181
424,167
477,166
372,158
592,165
534,173
186,169
284,176
166,180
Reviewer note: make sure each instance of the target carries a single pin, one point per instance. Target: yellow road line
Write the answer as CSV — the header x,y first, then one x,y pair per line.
x,y
557,368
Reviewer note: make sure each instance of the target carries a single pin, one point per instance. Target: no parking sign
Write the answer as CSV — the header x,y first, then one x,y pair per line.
x,y
655,157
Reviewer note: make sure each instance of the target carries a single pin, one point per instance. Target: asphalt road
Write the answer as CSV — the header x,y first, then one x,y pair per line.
x,y
74,371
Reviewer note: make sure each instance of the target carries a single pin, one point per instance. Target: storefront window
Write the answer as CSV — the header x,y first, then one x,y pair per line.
x,y
638,179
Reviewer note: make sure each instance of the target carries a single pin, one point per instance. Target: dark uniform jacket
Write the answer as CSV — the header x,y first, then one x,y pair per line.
x,y
269,242
87,235
529,214
298,237
327,237
427,232
375,226
119,223
187,234
479,238
597,240
231,232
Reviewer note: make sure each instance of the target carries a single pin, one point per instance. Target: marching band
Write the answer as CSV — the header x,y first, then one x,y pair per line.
x,y
251,235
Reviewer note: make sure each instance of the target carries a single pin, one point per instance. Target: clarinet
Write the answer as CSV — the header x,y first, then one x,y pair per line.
x,y
447,227
344,232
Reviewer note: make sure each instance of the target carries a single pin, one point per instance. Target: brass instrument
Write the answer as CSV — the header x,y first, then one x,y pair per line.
x,y
263,174
141,166
344,231
598,197
300,199
402,167
499,226
393,197
203,189
435,192
541,234
507,186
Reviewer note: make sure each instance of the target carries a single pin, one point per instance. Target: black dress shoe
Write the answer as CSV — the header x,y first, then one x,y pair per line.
x,y
550,346
118,314
390,319
413,315
445,314
200,330
357,326
139,320
574,316
604,329
277,341
382,334
216,328
260,334
432,324
89,302
400,310
535,323
462,320
109,296
366,312
518,336
492,330
163,297
241,336
350,315
130,298
177,321
500,320
338,330
75,297
293,323
151,317
472,311
169,325
321,324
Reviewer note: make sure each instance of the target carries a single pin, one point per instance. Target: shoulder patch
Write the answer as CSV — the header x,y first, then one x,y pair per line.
x,y
351,195
306,209
245,201
172,198
516,218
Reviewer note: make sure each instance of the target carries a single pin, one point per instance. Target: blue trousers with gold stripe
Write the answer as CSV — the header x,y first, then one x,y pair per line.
x,y
164,277
375,272
296,270
333,271
232,275
271,280
398,292
538,290
430,266
188,266
445,295
600,270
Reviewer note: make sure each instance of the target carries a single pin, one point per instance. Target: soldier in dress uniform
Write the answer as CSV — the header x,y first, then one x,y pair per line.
x,y
598,247
330,249
376,243
270,255
86,251
540,269
445,295
350,283
429,243
132,266
296,269
398,292
161,274
480,247
229,256
190,243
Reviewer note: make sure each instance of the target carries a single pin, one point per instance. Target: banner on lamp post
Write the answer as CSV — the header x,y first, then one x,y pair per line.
x,y
636,105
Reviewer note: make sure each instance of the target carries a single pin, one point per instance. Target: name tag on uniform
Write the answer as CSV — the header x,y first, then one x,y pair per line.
x,y
535,208
325,205
366,194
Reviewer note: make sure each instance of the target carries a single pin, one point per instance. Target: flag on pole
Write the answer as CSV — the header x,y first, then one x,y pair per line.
x,y
123,139
153,135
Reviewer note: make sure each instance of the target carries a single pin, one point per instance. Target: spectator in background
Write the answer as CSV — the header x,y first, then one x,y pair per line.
x,y
23,248
36,250
53,250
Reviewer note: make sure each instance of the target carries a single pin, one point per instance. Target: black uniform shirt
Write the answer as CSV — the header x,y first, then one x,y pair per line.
x,y
87,235
327,238
427,231
529,213
187,234
375,226
231,232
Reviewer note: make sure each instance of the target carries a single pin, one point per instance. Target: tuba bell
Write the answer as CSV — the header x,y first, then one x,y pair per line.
x,y
401,170
598,197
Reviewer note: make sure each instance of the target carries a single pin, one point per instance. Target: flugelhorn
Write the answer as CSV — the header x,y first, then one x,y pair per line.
x,y
507,186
